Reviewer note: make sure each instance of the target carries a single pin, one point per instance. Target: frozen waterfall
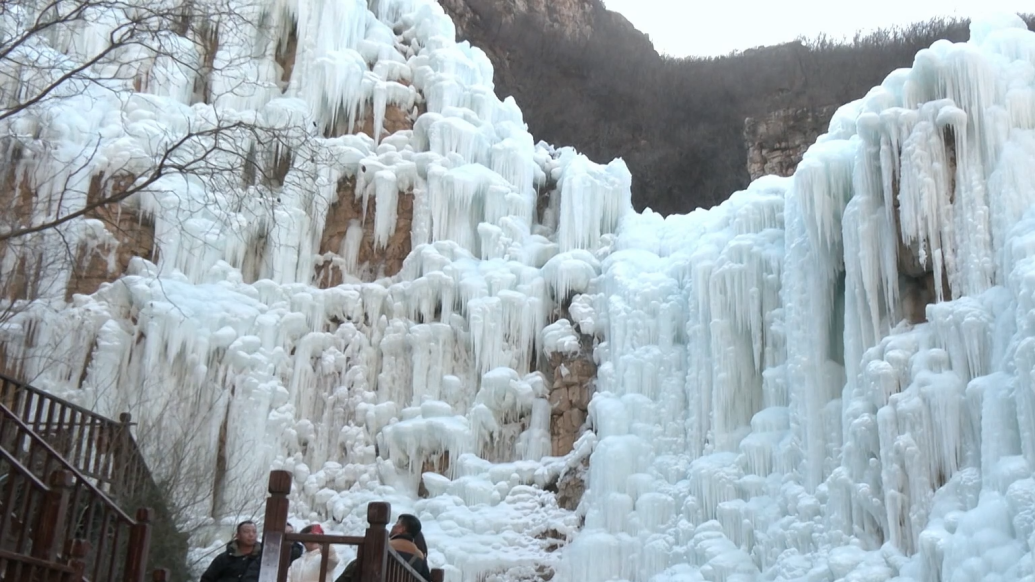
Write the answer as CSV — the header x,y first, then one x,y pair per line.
x,y
827,377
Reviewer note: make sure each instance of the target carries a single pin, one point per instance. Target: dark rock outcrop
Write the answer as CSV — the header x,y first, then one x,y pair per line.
x,y
776,142
585,77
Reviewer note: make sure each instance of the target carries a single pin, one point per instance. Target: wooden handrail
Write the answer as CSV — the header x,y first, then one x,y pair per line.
x,y
76,508
377,561
22,469
104,455
104,446
324,539
4,379
5,555
23,500
57,457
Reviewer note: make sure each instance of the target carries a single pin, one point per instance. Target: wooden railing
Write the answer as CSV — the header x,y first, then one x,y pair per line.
x,y
100,448
32,520
117,543
377,562
104,453
397,570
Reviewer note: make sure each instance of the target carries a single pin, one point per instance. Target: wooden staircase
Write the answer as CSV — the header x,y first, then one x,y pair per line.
x,y
64,473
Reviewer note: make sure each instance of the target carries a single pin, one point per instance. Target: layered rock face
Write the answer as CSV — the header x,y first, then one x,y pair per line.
x,y
775,143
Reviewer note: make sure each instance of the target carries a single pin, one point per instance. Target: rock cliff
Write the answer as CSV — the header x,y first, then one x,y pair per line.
x,y
586,77
776,142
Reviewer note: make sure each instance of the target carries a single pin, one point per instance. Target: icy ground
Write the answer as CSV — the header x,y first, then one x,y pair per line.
x,y
827,377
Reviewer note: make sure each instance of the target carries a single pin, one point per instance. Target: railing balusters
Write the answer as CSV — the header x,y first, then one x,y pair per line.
x,y
27,502
102,448
51,523
53,518
88,449
77,431
45,431
49,422
36,410
115,546
63,439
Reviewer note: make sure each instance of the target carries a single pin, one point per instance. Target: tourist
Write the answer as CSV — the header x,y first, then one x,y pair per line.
x,y
307,568
240,562
296,547
406,539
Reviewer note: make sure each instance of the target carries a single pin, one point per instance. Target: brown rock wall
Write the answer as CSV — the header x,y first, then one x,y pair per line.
x,y
775,143
570,393
372,262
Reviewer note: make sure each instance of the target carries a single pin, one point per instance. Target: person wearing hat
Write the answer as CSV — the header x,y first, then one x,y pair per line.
x,y
307,568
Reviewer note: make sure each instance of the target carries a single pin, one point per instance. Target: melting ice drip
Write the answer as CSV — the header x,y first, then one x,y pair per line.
x,y
769,404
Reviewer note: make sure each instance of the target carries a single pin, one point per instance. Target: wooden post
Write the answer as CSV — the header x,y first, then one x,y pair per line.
x,y
273,526
160,575
122,476
51,525
438,575
374,553
139,546
78,552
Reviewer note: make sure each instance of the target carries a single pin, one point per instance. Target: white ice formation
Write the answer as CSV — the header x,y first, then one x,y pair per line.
x,y
827,377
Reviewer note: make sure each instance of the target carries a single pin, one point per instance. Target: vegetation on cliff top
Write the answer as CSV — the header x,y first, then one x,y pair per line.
x,y
678,123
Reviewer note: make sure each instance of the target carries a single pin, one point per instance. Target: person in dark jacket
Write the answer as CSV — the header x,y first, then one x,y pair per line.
x,y
240,562
407,541
297,549
421,544
404,540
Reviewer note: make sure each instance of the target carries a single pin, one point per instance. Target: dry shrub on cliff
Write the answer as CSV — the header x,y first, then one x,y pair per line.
x,y
677,122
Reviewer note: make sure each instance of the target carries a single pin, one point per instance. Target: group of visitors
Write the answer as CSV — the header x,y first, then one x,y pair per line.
x,y
241,560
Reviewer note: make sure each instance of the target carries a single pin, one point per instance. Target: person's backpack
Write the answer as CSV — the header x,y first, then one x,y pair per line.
x,y
350,574
413,561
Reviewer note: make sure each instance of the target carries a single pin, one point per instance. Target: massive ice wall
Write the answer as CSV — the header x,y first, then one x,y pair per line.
x,y
827,377
850,396
260,325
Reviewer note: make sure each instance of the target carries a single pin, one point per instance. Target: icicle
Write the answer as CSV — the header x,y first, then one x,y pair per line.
x,y
765,398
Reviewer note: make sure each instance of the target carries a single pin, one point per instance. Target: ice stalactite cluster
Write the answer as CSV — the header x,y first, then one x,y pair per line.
x,y
826,377
848,398
232,350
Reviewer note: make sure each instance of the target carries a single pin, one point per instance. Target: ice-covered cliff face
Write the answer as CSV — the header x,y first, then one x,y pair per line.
x,y
827,377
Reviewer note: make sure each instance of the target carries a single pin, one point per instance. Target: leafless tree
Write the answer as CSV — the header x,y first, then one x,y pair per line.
x,y
108,111
107,106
